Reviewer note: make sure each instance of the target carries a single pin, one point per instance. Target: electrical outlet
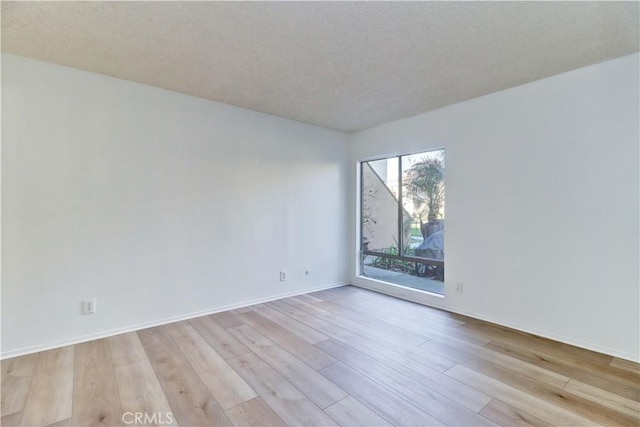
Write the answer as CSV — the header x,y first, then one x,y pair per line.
x,y
283,276
459,287
89,306
307,272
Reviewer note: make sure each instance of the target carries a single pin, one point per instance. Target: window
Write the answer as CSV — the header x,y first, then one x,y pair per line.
x,y
402,220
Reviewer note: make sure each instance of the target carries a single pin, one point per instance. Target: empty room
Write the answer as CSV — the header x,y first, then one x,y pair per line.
x,y
320,213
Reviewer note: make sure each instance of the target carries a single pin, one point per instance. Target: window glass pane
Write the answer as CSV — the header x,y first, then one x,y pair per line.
x,y
423,198
380,205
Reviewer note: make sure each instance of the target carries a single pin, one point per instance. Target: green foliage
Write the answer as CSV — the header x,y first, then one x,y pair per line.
x,y
425,185
394,264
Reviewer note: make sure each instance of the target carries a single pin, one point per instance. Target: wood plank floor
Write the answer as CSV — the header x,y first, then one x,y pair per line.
x,y
345,356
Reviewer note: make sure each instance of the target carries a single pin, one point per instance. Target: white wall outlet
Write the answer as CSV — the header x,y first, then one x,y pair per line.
x,y
89,306
459,287
283,276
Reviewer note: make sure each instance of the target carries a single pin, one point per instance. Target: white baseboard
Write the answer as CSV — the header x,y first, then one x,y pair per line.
x,y
419,297
159,322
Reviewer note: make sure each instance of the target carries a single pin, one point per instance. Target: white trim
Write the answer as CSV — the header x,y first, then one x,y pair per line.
x,y
401,287
416,296
554,337
422,297
358,218
145,325
398,154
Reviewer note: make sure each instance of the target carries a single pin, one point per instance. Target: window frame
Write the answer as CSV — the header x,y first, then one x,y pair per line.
x,y
401,256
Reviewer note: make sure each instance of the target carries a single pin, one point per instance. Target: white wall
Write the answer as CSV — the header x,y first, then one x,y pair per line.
x,y
158,204
542,204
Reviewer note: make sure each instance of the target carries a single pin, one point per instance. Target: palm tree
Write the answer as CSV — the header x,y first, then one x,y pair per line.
x,y
425,185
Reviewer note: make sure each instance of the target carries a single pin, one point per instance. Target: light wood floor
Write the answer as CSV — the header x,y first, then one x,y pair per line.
x,y
344,356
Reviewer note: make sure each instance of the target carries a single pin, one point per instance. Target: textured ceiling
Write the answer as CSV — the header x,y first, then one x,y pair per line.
x,y
343,65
